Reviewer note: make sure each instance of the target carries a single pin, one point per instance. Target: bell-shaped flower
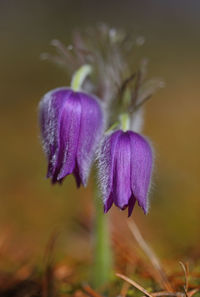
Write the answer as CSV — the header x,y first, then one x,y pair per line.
x,y
71,127
125,165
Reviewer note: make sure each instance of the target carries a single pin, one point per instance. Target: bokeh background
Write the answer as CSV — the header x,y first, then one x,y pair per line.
x,y
31,209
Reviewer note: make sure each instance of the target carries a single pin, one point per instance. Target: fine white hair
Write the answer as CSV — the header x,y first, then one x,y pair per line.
x,y
137,121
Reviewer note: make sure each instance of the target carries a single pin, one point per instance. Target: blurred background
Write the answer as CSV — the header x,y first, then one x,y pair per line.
x,y
31,208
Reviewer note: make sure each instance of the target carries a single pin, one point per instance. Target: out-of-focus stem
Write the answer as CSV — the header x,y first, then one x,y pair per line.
x,y
125,122
79,77
102,250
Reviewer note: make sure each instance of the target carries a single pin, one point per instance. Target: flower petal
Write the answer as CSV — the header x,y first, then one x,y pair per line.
x,y
141,168
122,172
69,130
108,203
71,127
131,204
50,109
91,129
106,157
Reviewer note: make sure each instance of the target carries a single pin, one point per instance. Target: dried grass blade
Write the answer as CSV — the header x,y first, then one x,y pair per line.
x,y
150,254
133,283
186,273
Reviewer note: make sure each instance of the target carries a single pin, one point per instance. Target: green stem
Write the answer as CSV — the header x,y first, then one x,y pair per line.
x,y
103,258
79,77
125,121
112,127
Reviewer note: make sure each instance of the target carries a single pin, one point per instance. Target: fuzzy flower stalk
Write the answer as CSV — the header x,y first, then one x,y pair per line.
x,y
106,84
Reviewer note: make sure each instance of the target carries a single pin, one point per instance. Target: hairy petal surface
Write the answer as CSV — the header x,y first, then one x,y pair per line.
x,y
141,168
125,165
69,130
50,110
106,158
71,127
91,130
122,172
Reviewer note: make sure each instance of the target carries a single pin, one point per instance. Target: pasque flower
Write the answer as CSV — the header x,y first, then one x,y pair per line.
x,y
71,127
125,165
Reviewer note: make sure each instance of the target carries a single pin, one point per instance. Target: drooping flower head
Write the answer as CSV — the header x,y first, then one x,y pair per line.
x,y
71,127
72,121
125,166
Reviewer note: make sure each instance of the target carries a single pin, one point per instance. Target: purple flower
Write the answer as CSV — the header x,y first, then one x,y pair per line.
x,y
71,127
125,166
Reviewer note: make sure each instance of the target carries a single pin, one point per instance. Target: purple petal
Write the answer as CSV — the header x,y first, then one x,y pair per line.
x,y
125,165
50,109
77,176
71,125
91,130
122,172
108,203
106,166
141,168
69,130
131,204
